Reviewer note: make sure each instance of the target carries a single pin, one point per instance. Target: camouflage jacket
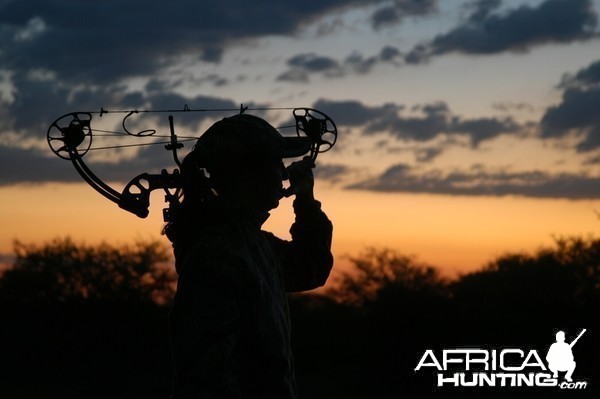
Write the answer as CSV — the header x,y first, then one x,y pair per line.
x,y
230,326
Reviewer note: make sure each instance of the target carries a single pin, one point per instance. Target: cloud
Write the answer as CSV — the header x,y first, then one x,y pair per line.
x,y
313,63
482,9
353,113
108,42
481,129
31,165
394,13
331,172
484,32
593,160
589,76
359,64
434,120
478,181
428,154
301,66
578,110
513,106
37,102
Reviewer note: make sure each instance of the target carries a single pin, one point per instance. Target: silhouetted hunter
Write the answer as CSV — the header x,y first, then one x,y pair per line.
x,y
230,324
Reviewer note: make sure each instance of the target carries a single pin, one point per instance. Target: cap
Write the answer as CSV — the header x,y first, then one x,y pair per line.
x,y
246,136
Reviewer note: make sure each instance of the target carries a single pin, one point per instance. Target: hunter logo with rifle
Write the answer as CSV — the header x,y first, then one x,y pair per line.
x,y
503,368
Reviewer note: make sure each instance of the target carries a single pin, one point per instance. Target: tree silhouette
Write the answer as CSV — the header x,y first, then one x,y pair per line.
x,y
63,271
560,284
82,321
377,271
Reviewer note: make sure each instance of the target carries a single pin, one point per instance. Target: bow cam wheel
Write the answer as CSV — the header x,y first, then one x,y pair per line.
x,y
71,135
318,126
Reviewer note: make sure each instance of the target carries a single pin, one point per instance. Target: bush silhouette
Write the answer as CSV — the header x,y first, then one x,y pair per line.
x,y
63,271
377,272
86,321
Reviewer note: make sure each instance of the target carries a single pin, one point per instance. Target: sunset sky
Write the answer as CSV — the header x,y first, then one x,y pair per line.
x,y
466,128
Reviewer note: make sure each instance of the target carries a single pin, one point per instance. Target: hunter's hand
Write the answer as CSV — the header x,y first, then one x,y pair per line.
x,y
302,180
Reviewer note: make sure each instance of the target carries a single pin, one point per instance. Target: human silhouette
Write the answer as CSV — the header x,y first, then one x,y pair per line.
x,y
560,356
230,326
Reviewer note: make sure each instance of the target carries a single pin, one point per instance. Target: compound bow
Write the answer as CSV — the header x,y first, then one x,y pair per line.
x,y
70,137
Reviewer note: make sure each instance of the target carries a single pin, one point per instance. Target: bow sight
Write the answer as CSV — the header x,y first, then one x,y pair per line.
x,y
70,137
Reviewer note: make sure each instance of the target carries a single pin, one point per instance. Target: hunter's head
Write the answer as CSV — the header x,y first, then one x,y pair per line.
x,y
242,156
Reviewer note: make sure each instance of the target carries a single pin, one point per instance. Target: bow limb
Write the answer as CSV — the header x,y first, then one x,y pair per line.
x,y
135,197
93,180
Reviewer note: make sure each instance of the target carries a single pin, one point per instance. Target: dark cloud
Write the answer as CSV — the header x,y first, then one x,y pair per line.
x,y
37,102
578,110
435,119
303,65
331,172
353,112
82,42
394,13
169,100
428,154
512,106
313,63
482,9
162,83
594,160
481,129
294,75
360,64
32,165
484,32
389,53
422,152
477,181
589,76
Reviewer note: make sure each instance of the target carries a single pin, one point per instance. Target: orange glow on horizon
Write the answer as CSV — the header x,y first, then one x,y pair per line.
x,y
456,234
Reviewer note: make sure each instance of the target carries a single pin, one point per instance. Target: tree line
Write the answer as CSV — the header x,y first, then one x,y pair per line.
x,y
87,321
